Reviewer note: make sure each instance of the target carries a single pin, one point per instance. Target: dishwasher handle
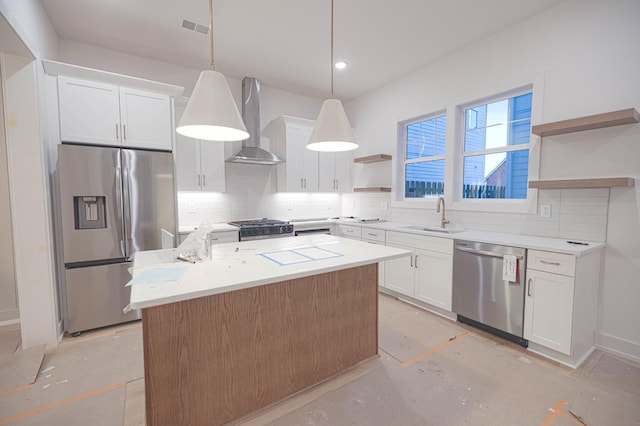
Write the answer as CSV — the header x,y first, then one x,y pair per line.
x,y
484,252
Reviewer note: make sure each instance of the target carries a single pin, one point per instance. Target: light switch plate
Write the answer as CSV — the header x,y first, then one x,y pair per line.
x,y
545,210
384,205
192,207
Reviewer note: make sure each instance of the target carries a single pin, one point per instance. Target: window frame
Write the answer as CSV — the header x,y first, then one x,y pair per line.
x,y
402,129
463,154
454,110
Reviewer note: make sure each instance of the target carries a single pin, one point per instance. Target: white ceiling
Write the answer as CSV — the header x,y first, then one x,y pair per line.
x,y
286,43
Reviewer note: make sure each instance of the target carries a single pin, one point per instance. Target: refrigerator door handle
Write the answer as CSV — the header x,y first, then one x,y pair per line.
x,y
119,221
127,209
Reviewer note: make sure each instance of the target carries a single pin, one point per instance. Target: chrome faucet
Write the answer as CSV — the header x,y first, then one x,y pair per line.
x,y
443,221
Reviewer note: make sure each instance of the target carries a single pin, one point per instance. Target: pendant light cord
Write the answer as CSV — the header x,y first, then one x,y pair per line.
x,y
213,66
332,48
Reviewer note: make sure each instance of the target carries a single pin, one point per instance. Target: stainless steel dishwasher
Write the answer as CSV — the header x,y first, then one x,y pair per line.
x,y
481,295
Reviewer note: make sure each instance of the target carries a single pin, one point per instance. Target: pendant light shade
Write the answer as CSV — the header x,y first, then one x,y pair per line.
x,y
332,132
211,113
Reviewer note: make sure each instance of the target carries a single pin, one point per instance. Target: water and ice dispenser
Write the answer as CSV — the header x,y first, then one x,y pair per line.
x,y
89,212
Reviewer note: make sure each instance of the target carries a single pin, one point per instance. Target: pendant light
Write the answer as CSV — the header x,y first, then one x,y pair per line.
x,y
332,132
211,113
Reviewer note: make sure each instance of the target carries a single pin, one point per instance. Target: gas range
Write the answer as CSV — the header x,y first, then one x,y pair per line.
x,y
257,229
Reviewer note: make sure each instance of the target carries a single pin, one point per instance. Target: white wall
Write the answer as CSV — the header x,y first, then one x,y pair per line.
x,y
28,180
586,53
29,203
8,290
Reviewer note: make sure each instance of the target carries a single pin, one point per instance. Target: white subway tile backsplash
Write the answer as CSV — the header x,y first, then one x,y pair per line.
x,y
580,214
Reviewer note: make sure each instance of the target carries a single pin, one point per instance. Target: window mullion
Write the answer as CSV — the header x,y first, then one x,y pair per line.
x,y
496,150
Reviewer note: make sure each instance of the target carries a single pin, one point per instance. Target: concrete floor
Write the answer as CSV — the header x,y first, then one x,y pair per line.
x,y
431,371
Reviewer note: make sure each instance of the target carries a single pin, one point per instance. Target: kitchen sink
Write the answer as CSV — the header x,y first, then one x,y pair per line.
x,y
428,229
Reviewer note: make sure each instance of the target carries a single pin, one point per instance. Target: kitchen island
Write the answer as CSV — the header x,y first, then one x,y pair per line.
x,y
259,321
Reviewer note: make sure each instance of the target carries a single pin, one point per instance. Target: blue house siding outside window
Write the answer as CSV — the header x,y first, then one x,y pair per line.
x,y
425,145
488,170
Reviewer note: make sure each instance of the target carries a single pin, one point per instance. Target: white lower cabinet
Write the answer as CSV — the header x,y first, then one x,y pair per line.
x,y
370,235
400,273
427,274
349,231
561,302
434,278
375,236
549,310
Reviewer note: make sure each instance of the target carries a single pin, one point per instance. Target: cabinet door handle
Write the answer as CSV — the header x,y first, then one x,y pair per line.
x,y
204,181
305,182
117,135
301,183
548,262
337,184
416,261
199,182
124,132
411,261
529,287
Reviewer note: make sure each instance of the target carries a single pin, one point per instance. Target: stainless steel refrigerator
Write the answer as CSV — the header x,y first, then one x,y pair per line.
x,y
114,202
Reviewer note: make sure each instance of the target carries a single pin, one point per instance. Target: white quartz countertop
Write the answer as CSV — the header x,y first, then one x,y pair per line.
x,y
239,265
216,227
558,245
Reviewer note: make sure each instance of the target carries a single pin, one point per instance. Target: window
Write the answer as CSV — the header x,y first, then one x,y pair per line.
x,y
424,148
495,154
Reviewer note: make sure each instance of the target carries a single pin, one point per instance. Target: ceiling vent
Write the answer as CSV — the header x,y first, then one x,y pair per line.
x,y
193,26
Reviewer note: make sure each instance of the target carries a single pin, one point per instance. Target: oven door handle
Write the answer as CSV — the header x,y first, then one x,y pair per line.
x,y
484,252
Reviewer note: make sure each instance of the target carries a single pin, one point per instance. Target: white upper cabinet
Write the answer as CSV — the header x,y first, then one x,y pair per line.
x,y
334,171
299,172
89,111
199,164
106,114
145,119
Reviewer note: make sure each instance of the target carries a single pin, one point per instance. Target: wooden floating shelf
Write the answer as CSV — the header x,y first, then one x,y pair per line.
x,y
373,189
598,121
372,158
583,183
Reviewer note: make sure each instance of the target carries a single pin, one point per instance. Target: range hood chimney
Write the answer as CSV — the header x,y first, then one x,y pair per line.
x,y
251,153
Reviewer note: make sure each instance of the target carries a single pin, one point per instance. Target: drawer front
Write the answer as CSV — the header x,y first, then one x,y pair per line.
x,y
374,235
556,263
425,242
223,237
349,231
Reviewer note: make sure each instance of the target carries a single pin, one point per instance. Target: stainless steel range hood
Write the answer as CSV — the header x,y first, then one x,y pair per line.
x,y
251,152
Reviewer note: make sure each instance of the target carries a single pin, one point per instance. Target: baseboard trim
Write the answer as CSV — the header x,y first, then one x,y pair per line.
x,y
10,322
617,346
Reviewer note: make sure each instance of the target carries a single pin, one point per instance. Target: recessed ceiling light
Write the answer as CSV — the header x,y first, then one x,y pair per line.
x,y
340,65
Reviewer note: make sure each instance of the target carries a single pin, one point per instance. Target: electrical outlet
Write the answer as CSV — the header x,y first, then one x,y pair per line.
x,y
192,207
290,205
384,205
545,210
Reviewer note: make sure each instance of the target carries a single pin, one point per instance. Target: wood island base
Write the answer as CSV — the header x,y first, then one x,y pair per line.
x,y
211,360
